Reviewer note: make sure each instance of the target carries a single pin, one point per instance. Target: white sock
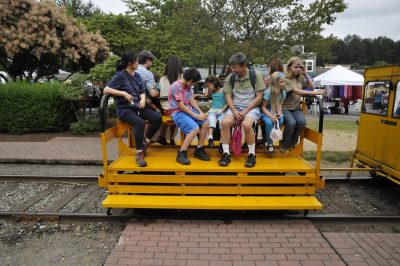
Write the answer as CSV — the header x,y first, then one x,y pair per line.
x,y
138,151
252,148
210,137
225,147
148,140
199,146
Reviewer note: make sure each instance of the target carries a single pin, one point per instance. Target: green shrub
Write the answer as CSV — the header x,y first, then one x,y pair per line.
x,y
102,73
85,126
35,107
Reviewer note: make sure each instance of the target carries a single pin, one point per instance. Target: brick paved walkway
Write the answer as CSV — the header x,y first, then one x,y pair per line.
x,y
68,150
246,243
366,248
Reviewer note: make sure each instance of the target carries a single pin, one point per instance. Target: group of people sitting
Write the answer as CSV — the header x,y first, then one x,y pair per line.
x,y
244,98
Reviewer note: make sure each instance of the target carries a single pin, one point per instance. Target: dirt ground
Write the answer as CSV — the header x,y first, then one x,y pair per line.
x,y
57,244
334,140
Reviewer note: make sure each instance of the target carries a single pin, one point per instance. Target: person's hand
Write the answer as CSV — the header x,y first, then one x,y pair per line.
x,y
243,114
278,115
237,115
322,92
266,81
201,117
302,70
128,97
142,103
273,118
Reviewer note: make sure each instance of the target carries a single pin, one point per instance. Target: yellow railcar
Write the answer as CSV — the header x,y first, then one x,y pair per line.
x,y
378,144
277,182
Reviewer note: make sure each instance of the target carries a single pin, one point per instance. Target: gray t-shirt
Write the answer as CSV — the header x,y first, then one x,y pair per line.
x,y
243,92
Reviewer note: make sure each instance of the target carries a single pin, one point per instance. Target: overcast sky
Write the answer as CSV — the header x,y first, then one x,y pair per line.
x,y
366,18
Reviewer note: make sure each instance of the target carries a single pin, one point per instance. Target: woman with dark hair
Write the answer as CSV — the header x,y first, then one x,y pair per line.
x,y
127,87
172,72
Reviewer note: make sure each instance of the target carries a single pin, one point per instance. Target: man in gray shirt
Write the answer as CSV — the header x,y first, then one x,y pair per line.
x,y
243,99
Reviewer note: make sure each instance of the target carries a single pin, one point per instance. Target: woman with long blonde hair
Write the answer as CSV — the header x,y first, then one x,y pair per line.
x,y
295,121
271,106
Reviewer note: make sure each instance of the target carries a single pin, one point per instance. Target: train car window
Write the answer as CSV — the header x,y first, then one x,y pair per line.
x,y
376,98
396,109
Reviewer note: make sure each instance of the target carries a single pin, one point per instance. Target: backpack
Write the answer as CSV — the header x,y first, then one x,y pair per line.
x,y
252,78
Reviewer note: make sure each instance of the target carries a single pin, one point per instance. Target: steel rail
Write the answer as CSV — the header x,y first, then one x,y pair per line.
x,y
36,216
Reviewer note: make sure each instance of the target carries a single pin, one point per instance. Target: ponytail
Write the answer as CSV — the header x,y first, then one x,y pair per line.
x,y
126,58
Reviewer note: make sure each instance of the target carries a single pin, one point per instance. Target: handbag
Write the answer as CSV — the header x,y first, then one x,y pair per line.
x,y
276,132
236,143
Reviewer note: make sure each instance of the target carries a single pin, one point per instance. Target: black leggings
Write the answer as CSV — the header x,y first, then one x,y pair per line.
x,y
136,120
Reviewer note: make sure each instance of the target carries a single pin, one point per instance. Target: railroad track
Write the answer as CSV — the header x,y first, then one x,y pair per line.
x,y
49,204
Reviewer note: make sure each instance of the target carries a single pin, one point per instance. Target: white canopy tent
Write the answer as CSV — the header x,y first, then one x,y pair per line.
x,y
339,76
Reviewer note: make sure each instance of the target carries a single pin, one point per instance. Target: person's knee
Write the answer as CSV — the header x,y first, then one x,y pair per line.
x,y
247,125
301,122
196,130
226,124
290,123
139,124
205,125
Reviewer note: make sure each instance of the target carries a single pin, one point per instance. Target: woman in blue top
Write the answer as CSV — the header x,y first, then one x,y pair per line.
x,y
129,92
271,106
217,107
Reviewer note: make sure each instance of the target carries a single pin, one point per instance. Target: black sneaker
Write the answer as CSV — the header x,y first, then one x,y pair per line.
x,y
181,157
269,148
162,141
200,153
225,160
140,159
210,143
172,142
251,160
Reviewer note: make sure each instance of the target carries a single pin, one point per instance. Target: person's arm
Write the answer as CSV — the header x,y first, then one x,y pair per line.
x,y
115,92
193,102
229,102
266,111
187,110
305,93
142,102
154,93
309,83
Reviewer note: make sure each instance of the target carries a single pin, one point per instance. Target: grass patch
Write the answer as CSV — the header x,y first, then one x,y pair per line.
x,y
334,125
330,156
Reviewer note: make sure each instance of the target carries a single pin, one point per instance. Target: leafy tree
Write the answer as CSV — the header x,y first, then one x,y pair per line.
x,y
204,32
79,9
40,37
102,73
121,31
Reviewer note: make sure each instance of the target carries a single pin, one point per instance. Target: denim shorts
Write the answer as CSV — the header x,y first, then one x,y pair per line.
x,y
185,122
213,117
254,113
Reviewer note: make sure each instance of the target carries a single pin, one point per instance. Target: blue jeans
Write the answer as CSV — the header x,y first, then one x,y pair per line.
x,y
295,122
269,125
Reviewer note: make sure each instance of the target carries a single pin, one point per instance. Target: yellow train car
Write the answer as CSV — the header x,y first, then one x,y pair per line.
x,y
277,182
378,144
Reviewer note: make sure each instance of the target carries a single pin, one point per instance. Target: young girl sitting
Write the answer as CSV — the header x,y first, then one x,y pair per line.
x,y
271,107
217,107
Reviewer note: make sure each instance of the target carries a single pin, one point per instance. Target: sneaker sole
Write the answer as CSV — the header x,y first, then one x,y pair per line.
x,y
224,163
183,163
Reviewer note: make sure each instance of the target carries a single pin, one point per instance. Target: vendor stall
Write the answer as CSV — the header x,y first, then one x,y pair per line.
x,y
343,86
